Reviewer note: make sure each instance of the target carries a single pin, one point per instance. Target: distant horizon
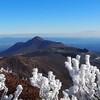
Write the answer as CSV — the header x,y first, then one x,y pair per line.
x,y
32,35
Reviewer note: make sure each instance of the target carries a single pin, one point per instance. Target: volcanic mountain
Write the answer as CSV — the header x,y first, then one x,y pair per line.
x,y
39,44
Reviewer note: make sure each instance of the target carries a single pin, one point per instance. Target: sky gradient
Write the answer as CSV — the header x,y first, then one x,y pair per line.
x,y
73,18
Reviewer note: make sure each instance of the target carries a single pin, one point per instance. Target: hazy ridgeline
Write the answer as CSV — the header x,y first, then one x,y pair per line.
x,y
89,43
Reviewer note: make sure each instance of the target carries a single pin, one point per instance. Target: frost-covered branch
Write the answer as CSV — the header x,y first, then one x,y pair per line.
x,y
86,79
5,70
12,96
18,92
3,87
2,81
49,86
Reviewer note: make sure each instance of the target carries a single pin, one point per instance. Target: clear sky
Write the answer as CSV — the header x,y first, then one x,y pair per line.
x,y
50,18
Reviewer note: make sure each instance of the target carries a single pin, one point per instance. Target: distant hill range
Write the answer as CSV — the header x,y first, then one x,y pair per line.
x,y
39,44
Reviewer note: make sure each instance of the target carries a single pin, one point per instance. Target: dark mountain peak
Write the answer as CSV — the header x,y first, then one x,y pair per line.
x,y
37,38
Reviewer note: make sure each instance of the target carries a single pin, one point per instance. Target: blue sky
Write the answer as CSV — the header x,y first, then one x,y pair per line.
x,y
62,18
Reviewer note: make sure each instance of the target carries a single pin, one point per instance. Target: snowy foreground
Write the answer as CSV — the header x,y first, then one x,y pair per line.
x,y
85,77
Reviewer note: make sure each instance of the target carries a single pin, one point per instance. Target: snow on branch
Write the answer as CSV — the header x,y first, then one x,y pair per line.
x,y
14,96
49,86
2,81
86,79
3,87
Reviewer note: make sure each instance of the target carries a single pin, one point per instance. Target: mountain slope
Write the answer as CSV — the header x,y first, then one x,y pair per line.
x,y
22,65
37,43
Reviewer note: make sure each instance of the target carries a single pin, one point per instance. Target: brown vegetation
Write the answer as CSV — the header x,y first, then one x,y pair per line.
x,y
29,92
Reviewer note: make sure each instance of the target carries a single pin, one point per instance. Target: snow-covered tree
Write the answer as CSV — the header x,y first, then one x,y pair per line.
x,y
49,86
18,91
12,96
86,79
2,81
3,87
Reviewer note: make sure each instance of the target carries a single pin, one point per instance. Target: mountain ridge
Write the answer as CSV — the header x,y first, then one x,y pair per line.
x,y
37,44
